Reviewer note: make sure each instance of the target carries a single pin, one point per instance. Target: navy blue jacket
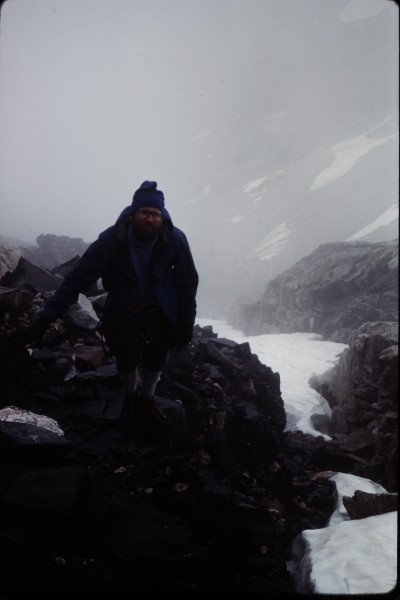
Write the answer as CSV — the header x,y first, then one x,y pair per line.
x,y
173,273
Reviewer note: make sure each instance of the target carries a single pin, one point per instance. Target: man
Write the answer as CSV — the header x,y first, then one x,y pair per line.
x,y
148,270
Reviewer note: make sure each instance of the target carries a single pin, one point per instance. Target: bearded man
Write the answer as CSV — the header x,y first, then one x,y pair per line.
x,y
147,268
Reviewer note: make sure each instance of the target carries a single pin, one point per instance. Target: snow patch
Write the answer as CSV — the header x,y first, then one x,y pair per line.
x,y
255,183
273,243
390,215
366,563
237,218
347,154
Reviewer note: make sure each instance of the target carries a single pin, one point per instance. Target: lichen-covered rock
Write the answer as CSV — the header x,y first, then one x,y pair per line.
x,y
13,414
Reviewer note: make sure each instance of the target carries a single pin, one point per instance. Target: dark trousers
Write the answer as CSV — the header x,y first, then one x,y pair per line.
x,y
148,338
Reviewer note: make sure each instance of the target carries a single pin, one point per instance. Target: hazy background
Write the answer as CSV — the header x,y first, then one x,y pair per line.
x,y
270,125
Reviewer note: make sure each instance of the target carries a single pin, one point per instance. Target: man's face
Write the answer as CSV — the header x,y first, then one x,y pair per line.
x,y
147,223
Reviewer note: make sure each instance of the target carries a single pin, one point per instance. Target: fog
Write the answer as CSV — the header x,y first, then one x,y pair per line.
x,y
260,120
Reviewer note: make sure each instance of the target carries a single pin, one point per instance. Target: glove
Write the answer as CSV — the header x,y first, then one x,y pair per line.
x,y
183,337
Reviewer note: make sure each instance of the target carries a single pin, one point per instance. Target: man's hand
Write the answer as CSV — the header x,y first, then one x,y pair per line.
x,y
183,337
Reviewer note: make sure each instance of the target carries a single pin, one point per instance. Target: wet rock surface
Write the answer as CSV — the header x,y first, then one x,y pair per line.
x,y
212,506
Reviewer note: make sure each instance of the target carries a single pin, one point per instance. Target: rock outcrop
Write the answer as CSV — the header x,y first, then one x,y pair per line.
x,y
53,250
363,504
362,390
332,291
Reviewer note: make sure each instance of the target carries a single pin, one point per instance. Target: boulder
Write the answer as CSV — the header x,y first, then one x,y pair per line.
x,y
32,277
8,259
14,300
82,313
13,414
363,504
30,445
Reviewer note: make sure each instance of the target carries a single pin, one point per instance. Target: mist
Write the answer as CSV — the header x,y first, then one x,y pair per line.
x,y
270,125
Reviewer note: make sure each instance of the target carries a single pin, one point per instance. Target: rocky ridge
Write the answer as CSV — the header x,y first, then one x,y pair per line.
x,y
332,291
213,507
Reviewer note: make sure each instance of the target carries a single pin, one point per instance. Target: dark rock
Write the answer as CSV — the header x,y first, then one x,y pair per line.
x,y
88,357
321,423
27,444
363,504
363,392
212,354
31,277
47,489
14,301
204,332
210,508
66,267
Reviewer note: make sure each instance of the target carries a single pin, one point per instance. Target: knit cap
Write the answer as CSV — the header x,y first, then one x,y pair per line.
x,y
148,195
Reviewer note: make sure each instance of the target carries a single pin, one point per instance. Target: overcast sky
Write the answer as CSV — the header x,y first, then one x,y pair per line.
x,y
98,95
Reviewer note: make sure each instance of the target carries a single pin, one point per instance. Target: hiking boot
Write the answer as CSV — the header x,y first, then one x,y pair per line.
x,y
153,414
143,417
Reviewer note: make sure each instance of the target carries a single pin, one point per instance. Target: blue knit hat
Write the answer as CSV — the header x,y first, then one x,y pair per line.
x,y
148,195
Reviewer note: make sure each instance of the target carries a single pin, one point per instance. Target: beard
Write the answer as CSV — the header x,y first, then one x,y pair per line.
x,y
145,231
